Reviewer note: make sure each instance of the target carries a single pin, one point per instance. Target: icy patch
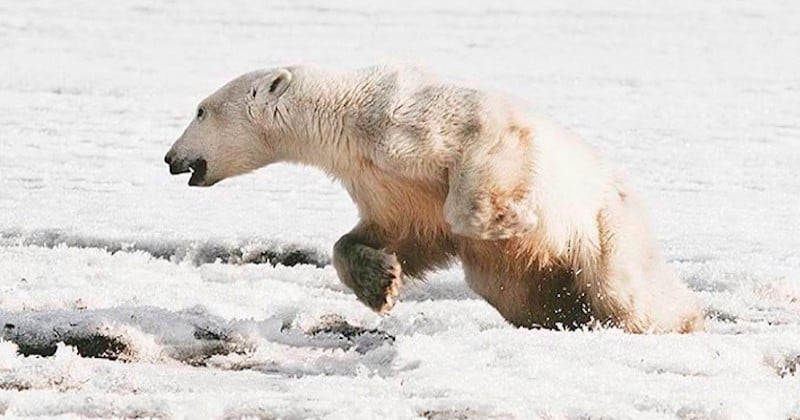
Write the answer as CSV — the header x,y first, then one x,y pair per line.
x,y
783,362
331,346
264,413
130,334
63,375
8,355
336,329
196,252
463,414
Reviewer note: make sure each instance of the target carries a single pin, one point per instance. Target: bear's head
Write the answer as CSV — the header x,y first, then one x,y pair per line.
x,y
234,131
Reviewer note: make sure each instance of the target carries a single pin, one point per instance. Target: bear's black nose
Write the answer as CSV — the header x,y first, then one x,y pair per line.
x,y
176,166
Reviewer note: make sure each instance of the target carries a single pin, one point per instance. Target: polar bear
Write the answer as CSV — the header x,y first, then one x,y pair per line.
x,y
545,230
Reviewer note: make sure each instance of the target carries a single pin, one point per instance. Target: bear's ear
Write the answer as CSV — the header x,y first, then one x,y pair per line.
x,y
271,86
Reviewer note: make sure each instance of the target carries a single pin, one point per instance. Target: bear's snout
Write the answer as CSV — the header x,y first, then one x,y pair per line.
x,y
170,156
176,166
197,167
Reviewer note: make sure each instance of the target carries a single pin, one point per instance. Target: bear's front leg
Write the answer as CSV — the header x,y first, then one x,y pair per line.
x,y
490,193
489,215
374,276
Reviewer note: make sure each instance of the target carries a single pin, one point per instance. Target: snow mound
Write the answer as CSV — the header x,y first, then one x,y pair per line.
x,y
195,337
130,334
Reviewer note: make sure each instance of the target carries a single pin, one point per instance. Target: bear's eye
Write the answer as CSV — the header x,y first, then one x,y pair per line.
x,y
200,112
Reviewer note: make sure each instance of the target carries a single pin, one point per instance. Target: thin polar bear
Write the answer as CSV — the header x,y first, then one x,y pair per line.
x,y
545,230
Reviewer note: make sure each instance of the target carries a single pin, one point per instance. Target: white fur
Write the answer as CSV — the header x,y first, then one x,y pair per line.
x,y
440,171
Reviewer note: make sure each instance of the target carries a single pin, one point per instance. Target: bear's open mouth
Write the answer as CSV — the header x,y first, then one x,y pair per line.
x,y
198,168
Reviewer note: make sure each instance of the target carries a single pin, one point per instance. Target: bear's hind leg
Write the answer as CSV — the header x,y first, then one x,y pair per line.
x,y
531,297
629,284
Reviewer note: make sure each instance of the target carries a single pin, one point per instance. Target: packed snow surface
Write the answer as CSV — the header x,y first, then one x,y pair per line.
x,y
125,293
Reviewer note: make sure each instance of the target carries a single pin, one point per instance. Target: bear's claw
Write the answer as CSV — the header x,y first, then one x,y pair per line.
x,y
381,283
375,276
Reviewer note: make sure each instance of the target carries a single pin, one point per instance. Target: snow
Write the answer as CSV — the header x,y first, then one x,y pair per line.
x,y
220,303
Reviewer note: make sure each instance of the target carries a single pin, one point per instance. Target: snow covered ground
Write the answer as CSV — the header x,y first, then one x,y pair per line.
x,y
166,297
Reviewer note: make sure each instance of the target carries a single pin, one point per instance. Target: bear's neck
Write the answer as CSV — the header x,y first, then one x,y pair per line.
x,y
333,120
